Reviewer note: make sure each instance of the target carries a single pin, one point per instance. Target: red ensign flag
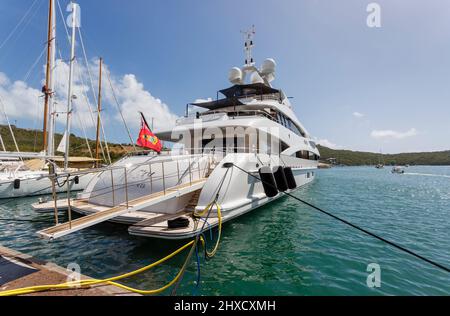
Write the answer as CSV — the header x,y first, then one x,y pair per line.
x,y
147,139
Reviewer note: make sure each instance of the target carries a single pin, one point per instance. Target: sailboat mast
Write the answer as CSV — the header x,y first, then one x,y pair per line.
x,y
99,110
70,93
51,104
46,88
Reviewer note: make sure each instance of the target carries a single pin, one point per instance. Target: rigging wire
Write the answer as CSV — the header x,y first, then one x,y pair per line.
x,y
26,24
91,112
5,41
1,141
120,110
9,125
393,244
85,135
33,66
38,111
88,103
93,92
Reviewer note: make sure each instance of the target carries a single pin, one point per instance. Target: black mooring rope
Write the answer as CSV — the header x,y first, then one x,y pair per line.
x,y
438,265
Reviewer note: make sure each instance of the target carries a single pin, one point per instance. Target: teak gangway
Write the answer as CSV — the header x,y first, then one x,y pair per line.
x,y
105,214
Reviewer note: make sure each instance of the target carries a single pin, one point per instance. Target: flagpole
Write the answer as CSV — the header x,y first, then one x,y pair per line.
x,y
147,127
145,121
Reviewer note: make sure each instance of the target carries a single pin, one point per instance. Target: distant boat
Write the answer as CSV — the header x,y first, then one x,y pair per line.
x,y
380,164
398,170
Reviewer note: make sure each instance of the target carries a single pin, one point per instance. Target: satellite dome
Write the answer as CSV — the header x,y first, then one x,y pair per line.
x,y
268,69
268,66
235,76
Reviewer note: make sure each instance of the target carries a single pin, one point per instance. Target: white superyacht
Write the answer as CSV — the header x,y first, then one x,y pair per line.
x,y
230,157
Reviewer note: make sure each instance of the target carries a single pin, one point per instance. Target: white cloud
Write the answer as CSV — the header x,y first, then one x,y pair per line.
x,y
134,98
21,100
390,134
358,115
327,143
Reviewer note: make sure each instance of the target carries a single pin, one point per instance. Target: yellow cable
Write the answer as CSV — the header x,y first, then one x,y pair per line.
x,y
206,210
70,285
111,281
216,247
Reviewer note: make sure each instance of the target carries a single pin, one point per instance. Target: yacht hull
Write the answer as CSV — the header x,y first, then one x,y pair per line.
x,y
245,207
39,185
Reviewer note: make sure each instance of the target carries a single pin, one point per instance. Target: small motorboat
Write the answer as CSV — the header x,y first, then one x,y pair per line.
x,y
379,166
398,170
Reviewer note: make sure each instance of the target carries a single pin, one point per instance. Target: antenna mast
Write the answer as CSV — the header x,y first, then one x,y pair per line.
x,y
249,34
75,22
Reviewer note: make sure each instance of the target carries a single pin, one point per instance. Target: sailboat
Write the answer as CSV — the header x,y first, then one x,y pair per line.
x,y
380,164
32,177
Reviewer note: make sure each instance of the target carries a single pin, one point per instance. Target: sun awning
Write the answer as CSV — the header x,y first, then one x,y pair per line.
x,y
235,93
248,90
212,105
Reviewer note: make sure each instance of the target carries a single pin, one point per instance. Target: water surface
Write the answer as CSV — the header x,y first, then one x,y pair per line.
x,y
284,248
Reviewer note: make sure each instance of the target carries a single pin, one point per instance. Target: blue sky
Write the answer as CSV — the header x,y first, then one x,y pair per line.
x,y
354,87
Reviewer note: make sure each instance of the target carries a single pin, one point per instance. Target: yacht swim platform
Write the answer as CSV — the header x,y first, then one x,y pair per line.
x,y
128,211
158,227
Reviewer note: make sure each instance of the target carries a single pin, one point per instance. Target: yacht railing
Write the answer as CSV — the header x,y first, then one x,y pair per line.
x,y
263,97
228,114
198,169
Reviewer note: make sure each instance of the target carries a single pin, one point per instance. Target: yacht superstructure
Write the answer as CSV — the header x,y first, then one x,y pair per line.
x,y
223,150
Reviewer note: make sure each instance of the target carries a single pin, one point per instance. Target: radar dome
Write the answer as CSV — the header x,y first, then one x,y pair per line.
x,y
268,67
235,76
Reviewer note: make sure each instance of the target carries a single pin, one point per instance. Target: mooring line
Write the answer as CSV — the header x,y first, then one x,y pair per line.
x,y
393,244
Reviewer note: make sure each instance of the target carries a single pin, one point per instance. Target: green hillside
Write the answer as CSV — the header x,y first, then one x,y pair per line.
x,y
358,158
31,141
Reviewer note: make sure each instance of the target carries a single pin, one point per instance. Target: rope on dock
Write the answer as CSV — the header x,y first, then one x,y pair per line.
x,y
112,281
393,244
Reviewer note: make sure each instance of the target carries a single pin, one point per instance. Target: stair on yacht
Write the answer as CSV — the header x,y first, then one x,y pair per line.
x,y
101,214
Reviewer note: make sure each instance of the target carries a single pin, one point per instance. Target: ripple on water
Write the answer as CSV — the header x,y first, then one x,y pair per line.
x,y
284,248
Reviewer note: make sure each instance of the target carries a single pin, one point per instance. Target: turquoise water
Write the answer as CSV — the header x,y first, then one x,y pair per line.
x,y
284,248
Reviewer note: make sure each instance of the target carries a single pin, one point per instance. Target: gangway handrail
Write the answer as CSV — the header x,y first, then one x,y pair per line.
x,y
108,168
126,169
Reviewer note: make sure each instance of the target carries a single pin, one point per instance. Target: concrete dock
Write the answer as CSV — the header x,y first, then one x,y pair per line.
x,y
33,272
